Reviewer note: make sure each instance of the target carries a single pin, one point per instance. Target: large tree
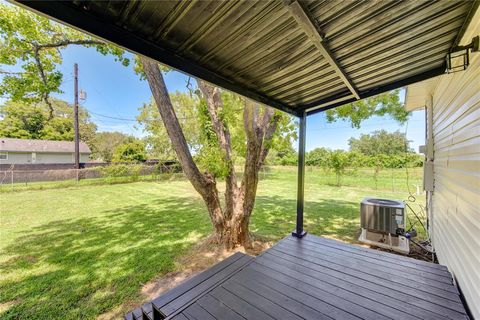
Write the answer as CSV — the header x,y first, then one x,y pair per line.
x,y
104,143
26,121
131,151
381,142
33,43
386,104
230,220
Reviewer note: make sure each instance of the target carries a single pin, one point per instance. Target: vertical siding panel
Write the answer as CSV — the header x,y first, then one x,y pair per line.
x,y
456,223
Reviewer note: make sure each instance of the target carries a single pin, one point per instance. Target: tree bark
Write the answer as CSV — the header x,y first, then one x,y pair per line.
x,y
204,184
231,223
214,105
259,131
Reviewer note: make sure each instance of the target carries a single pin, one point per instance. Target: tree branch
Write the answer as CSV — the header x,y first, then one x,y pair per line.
x,y
214,104
41,71
67,42
271,123
54,45
254,133
11,72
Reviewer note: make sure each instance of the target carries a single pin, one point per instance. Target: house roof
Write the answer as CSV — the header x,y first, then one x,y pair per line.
x,y
299,57
50,146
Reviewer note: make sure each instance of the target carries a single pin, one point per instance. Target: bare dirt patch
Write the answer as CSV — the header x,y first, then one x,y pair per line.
x,y
201,257
4,306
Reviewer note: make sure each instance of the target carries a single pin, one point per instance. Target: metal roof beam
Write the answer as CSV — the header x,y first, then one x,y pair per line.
x,y
322,105
308,25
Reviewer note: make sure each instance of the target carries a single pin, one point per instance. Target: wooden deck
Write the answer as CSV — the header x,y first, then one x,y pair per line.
x,y
312,278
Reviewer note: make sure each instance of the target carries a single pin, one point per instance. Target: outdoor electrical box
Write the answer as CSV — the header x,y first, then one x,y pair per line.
x,y
428,175
422,149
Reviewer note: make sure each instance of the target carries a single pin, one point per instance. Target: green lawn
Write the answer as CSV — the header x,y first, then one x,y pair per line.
x,y
77,252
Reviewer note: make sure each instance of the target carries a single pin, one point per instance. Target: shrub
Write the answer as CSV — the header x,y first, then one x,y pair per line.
x,y
130,152
112,173
339,161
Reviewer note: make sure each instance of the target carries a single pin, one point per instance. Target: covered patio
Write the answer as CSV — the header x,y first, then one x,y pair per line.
x,y
301,57
312,278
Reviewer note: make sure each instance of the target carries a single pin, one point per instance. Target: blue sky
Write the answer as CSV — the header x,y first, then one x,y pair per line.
x,y
116,91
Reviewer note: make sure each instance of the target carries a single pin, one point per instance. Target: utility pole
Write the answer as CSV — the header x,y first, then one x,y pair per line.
x,y
75,121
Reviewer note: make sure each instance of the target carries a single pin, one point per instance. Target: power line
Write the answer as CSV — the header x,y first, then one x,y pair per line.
x,y
135,120
114,118
132,120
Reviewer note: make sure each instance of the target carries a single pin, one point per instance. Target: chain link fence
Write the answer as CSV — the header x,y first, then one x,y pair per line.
x,y
24,179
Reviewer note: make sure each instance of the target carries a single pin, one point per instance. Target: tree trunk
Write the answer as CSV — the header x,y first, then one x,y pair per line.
x,y
231,223
204,184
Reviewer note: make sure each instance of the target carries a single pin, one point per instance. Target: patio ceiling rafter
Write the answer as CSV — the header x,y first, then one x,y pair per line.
x,y
311,28
322,105
276,52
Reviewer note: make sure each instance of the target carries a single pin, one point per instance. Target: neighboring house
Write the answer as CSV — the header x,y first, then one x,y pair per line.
x,y
452,103
26,151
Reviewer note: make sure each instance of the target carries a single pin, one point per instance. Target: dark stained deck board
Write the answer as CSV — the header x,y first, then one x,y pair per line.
x,y
239,305
193,282
180,316
404,294
285,296
315,278
324,302
366,308
215,307
250,295
393,279
196,312
385,256
203,287
402,303
440,276
192,289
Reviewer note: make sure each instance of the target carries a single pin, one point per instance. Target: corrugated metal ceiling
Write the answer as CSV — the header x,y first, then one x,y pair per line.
x,y
259,49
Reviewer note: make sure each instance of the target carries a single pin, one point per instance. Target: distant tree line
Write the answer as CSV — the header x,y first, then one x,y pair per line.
x,y
378,150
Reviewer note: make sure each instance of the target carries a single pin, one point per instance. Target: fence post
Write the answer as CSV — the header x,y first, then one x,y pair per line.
x,y
12,181
393,181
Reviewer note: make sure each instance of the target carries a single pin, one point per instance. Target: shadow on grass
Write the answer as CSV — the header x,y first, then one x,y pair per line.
x,y
77,269
274,218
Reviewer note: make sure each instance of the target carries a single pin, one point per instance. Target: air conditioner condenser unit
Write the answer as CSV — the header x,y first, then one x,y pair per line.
x,y
383,224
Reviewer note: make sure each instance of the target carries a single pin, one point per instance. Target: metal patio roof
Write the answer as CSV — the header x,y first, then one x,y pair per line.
x,y
297,57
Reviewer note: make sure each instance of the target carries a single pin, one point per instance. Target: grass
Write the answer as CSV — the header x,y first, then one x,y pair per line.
x,y
77,252
7,187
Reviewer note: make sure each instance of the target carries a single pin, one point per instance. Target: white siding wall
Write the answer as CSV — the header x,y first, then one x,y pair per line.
x,y
17,158
456,197
84,157
26,157
54,158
